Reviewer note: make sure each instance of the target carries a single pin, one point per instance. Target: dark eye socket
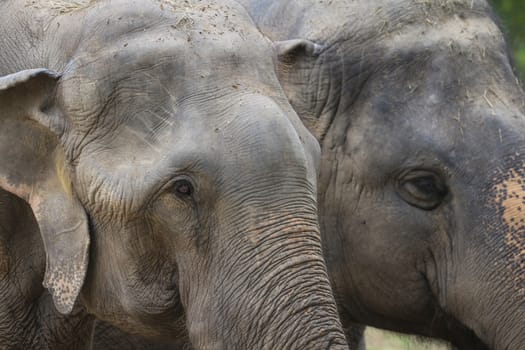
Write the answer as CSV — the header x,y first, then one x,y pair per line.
x,y
423,189
183,188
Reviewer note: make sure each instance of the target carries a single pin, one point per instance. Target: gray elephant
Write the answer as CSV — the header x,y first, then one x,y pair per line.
x,y
422,188
172,184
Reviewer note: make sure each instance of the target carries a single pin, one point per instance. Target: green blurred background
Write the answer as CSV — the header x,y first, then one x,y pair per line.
x,y
512,13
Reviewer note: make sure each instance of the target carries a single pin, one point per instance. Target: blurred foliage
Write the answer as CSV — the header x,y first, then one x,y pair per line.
x,y
512,13
382,340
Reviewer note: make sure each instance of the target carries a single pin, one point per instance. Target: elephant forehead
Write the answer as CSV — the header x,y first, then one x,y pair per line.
x,y
60,6
463,32
510,199
203,28
149,72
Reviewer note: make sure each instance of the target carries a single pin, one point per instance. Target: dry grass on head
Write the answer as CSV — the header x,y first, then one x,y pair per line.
x,y
61,6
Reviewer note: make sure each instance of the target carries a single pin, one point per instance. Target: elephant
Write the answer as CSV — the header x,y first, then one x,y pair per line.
x,y
420,117
151,148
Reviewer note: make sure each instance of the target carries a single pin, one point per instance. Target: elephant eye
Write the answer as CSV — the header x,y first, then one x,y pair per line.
x,y
183,188
422,189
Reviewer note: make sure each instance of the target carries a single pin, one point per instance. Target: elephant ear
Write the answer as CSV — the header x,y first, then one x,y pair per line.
x,y
297,48
35,169
305,80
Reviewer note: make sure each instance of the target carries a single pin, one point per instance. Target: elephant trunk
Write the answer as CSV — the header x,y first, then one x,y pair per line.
x,y
499,313
489,291
490,299
272,293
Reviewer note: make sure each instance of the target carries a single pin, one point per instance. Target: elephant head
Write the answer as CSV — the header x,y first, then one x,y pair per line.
x,y
173,185
421,122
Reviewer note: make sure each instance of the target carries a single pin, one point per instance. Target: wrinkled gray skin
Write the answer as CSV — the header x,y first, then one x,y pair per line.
x,y
166,171
107,337
422,129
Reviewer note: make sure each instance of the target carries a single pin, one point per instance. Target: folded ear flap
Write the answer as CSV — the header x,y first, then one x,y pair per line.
x,y
296,49
303,78
34,168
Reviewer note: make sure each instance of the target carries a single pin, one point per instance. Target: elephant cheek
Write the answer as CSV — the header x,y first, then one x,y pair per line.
x,y
510,202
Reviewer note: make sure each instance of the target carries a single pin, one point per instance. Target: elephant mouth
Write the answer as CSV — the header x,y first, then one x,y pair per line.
x,y
464,337
448,327
167,315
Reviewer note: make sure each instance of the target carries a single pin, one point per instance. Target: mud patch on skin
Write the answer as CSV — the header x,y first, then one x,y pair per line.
x,y
510,201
